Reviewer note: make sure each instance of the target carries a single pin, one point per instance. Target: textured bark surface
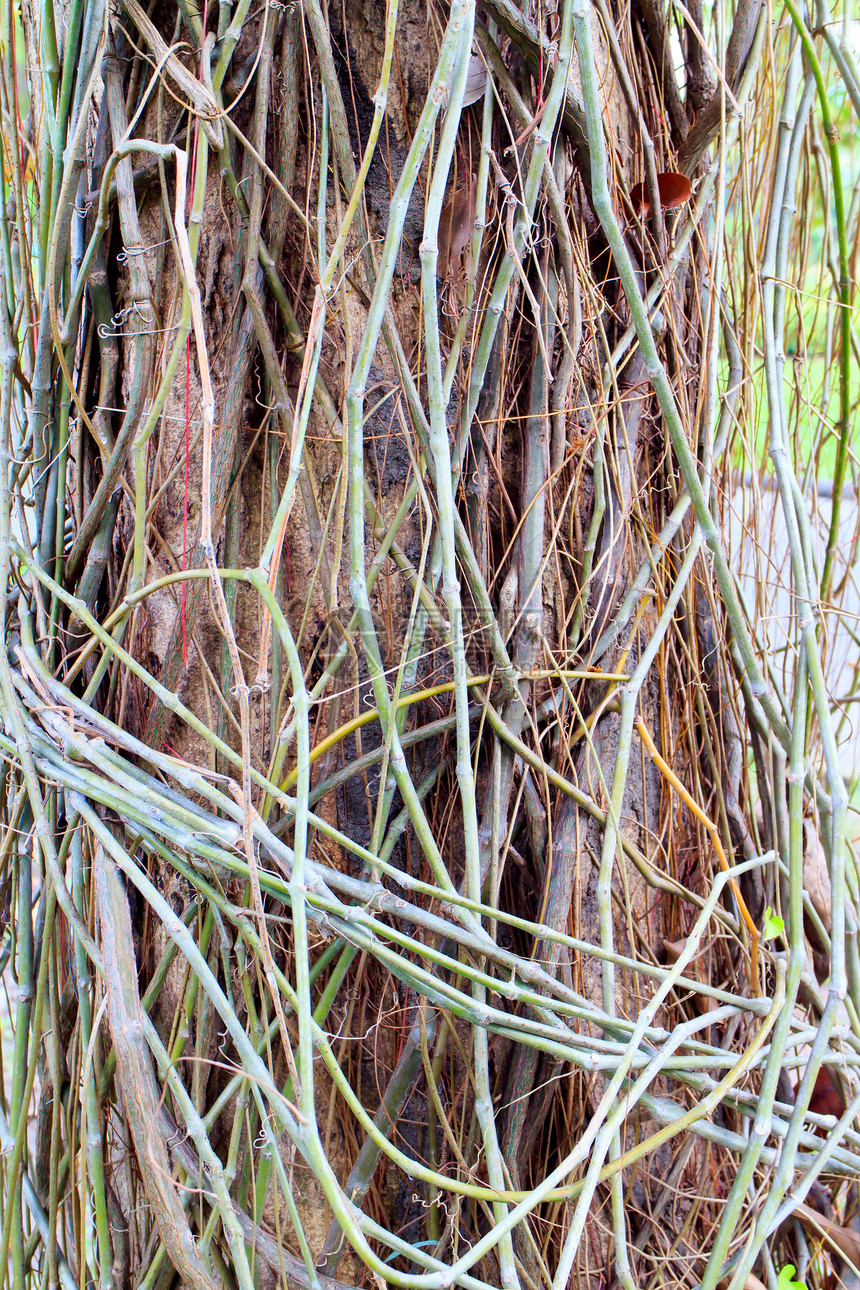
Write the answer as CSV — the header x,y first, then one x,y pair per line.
x,y
368,624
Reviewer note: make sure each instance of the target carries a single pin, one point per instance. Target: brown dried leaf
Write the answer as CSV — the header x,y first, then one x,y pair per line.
x,y
673,951
816,876
826,1098
844,1239
476,81
674,190
456,225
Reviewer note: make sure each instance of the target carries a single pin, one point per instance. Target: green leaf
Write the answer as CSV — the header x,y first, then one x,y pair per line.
x,y
773,926
786,1279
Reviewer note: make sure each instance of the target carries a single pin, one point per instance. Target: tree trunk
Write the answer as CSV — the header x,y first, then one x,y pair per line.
x,y
375,626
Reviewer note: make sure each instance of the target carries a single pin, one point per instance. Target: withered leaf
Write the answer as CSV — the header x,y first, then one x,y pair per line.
x,y
845,1240
476,81
674,190
816,877
456,225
